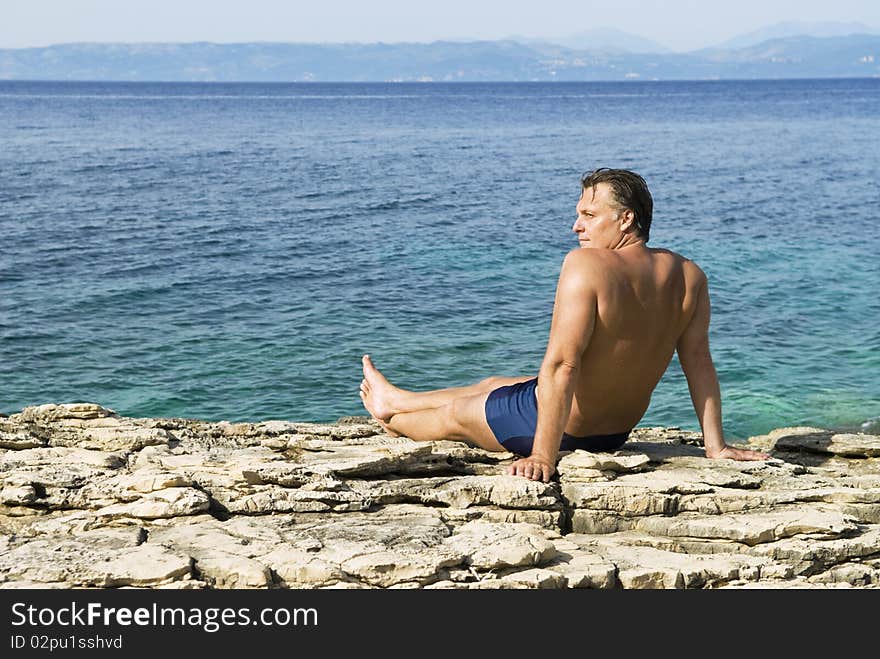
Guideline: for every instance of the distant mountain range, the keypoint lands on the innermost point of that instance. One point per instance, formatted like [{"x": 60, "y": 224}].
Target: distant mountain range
[
  {"x": 796, "y": 29},
  {"x": 606, "y": 39},
  {"x": 851, "y": 55}
]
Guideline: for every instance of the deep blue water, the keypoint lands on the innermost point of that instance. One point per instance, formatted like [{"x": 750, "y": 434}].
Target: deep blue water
[{"x": 228, "y": 251}]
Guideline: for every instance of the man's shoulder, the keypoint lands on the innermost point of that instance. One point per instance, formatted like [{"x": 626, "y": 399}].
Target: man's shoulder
[
  {"x": 581, "y": 255},
  {"x": 669, "y": 252},
  {"x": 687, "y": 263},
  {"x": 583, "y": 269},
  {"x": 585, "y": 261}
]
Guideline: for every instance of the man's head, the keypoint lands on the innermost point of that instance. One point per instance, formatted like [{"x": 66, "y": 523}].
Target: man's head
[{"x": 613, "y": 198}]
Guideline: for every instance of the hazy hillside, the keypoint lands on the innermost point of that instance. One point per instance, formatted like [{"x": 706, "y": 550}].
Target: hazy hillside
[
  {"x": 604, "y": 38},
  {"x": 796, "y": 29},
  {"x": 794, "y": 57}
]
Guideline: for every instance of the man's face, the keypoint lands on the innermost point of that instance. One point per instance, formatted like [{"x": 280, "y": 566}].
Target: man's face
[{"x": 598, "y": 218}]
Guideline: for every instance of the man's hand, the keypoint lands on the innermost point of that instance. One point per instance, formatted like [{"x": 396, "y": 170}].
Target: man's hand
[
  {"x": 731, "y": 453},
  {"x": 533, "y": 468}
]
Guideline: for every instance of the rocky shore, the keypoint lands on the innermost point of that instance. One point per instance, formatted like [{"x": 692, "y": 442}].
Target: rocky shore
[{"x": 89, "y": 499}]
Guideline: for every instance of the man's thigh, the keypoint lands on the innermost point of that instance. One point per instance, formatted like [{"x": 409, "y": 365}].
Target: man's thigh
[
  {"x": 496, "y": 381},
  {"x": 469, "y": 413}
]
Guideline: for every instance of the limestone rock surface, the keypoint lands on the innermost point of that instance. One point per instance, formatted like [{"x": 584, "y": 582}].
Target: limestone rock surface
[{"x": 91, "y": 499}]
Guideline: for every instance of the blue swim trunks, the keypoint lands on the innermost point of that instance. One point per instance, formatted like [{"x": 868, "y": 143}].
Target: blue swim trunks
[{"x": 512, "y": 413}]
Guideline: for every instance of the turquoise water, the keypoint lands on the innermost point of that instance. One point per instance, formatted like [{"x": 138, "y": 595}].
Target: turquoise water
[{"x": 228, "y": 251}]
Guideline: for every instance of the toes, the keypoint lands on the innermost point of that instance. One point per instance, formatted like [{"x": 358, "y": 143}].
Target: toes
[{"x": 369, "y": 367}]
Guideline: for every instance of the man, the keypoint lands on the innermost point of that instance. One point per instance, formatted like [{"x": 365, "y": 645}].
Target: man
[{"x": 622, "y": 309}]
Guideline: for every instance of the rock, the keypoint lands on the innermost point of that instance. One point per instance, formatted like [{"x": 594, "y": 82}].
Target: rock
[
  {"x": 752, "y": 529},
  {"x": 854, "y": 574},
  {"x": 65, "y": 457},
  {"x": 813, "y": 555},
  {"x": 149, "y": 480},
  {"x": 535, "y": 578},
  {"x": 16, "y": 439},
  {"x": 92, "y": 499},
  {"x": 570, "y": 464},
  {"x": 119, "y": 438},
  {"x": 301, "y": 569},
  {"x": 851, "y": 445},
  {"x": 57, "y": 478},
  {"x": 647, "y": 567},
  {"x": 52, "y": 412},
  {"x": 599, "y": 522},
  {"x": 312, "y": 550},
  {"x": 463, "y": 492},
  {"x": 365, "y": 462},
  {"x": 623, "y": 499},
  {"x": 105, "y": 558},
  {"x": 489, "y": 546},
  {"x": 145, "y": 565},
  {"x": 335, "y": 431},
  {"x": 20, "y": 495},
  {"x": 388, "y": 568},
  {"x": 170, "y": 502},
  {"x": 776, "y": 584},
  {"x": 551, "y": 520},
  {"x": 267, "y": 499},
  {"x": 219, "y": 570},
  {"x": 584, "y": 570}
]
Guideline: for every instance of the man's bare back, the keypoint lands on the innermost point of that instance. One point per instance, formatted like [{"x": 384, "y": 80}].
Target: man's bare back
[
  {"x": 622, "y": 310},
  {"x": 645, "y": 299}
]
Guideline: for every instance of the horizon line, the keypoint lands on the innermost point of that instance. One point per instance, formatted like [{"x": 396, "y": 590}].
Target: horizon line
[{"x": 628, "y": 81}]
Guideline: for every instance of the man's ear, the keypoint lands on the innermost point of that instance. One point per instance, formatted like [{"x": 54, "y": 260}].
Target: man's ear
[{"x": 627, "y": 220}]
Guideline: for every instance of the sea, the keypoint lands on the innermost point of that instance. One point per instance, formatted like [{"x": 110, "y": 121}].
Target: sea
[{"x": 229, "y": 251}]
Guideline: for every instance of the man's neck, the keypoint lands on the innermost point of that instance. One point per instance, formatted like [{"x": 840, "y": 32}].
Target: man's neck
[{"x": 628, "y": 241}]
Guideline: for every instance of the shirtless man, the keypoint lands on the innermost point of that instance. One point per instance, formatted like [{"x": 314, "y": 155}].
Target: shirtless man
[{"x": 622, "y": 309}]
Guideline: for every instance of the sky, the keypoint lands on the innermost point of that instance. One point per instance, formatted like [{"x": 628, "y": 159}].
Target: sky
[{"x": 677, "y": 24}]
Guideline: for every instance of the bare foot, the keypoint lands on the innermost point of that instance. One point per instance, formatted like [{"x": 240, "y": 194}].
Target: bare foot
[
  {"x": 377, "y": 393},
  {"x": 365, "y": 388}
]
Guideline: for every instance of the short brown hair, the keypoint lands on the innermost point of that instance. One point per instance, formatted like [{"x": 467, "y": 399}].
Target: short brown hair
[{"x": 630, "y": 192}]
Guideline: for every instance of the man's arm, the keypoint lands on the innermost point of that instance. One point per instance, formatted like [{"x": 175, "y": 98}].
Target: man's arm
[
  {"x": 696, "y": 362},
  {"x": 574, "y": 316}
]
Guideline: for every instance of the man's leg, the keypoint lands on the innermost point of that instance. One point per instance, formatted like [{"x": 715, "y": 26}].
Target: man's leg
[
  {"x": 384, "y": 400},
  {"x": 462, "y": 419}
]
